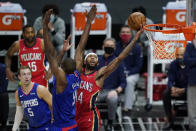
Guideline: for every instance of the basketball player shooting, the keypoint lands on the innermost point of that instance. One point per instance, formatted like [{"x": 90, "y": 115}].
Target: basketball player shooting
[
  {"x": 87, "y": 115},
  {"x": 65, "y": 84}
]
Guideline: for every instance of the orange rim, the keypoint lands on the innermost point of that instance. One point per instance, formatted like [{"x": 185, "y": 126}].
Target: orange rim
[
  {"x": 189, "y": 31},
  {"x": 178, "y": 28}
]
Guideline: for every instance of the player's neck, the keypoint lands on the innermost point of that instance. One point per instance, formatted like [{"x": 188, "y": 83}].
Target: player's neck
[
  {"x": 27, "y": 88},
  {"x": 29, "y": 44},
  {"x": 88, "y": 71}
]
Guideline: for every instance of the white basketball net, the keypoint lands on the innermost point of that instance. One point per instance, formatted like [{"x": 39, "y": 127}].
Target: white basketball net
[{"x": 165, "y": 45}]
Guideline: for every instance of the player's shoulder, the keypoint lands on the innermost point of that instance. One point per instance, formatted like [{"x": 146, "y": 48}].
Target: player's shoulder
[
  {"x": 41, "y": 88},
  {"x": 59, "y": 19},
  {"x": 16, "y": 43},
  {"x": 16, "y": 93},
  {"x": 38, "y": 19}
]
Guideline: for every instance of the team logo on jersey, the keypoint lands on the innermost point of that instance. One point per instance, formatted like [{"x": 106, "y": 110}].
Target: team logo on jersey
[
  {"x": 89, "y": 119},
  {"x": 30, "y": 103},
  {"x": 32, "y": 93},
  {"x": 23, "y": 49},
  {"x": 86, "y": 85},
  {"x": 36, "y": 48},
  {"x": 21, "y": 95}
]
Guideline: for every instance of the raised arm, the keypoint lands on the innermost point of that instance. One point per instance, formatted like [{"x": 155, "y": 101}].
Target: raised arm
[
  {"x": 105, "y": 71},
  {"x": 79, "y": 56},
  {"x": 52, "y": 56},
  {"x": 66, "y": 47},
  {"x": 8, "y": 60}
]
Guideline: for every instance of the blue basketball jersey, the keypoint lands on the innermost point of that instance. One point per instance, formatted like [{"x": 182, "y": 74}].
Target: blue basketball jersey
[
  {"x": 35, "y": 109},
  {"x": 64, "y": 103}
]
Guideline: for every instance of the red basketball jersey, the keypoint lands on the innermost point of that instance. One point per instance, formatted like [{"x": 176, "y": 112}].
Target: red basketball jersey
[
  {"x": 34, "y": 58},
  {"x": 86, "y": 94}
]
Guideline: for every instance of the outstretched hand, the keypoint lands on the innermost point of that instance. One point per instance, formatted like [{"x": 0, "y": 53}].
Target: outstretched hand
[
  {"x": 92, "y": 13},
  {"x": 66, "y": 45},
  {"x": 46, "y": 18},
  {"x": 140, "y": 31}
]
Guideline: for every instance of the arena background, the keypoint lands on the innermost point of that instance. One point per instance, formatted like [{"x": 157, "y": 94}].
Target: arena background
[{"x": 118, "y": 9}]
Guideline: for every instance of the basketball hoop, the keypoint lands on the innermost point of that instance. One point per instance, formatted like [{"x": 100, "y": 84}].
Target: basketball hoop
[{"x": 165, "y": 39}]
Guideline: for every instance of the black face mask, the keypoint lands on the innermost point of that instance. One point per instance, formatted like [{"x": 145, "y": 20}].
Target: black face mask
[
  {"x": 109, "y": 50},
  {"x": 180, "y": 61}
]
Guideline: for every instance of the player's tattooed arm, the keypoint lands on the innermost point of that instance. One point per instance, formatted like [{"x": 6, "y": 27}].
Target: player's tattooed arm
[
  {"x": 51, "y": 54},
  {"x": 79, "y": 56},
  {"x": 8, "y": 60},
  {"x": 105, "y": 71}
]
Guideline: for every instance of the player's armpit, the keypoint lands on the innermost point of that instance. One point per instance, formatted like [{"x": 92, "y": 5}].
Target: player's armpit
[{"x": 100, "y": 76}]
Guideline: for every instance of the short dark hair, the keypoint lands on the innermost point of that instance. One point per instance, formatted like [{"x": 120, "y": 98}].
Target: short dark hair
[
  {"x": 124, "y": 26},
  {"x": 68, "y": 65},
  {"x": 50, "y": 6},
  {"x": 23, "y": 67},
  {"x": 139, "y": 9},
  {"x": 26, "y": 26}
]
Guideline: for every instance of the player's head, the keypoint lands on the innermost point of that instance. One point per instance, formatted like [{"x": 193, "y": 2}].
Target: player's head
[
  {"x": 68, "y": 65},
  {"x": 28, "y": 33},
  {"x": 91, "y": 61},
  {"x": 125, "y": 34},
  {"x": 109, "y": 45},
  {"x": 180, "y": 52},
  {"x": 24, "y": 75}
]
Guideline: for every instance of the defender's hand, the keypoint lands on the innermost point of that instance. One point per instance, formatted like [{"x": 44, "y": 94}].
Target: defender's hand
[
  {"x": 139, "y": 32},
  {"x": 50, "y": 26},
  {"x": 66, "y": 45},
  {"x": 92, "y": 13},
  {"x": 46, "y": 18}
]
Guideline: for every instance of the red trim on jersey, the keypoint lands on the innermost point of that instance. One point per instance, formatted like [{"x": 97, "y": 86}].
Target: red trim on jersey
[
  {"x": 68, "y": 128},
  {"x": 29, "y": 91}
]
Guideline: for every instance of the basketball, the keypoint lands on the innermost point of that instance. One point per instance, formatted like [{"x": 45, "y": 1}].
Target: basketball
[{"x": 135, "y": 19}]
